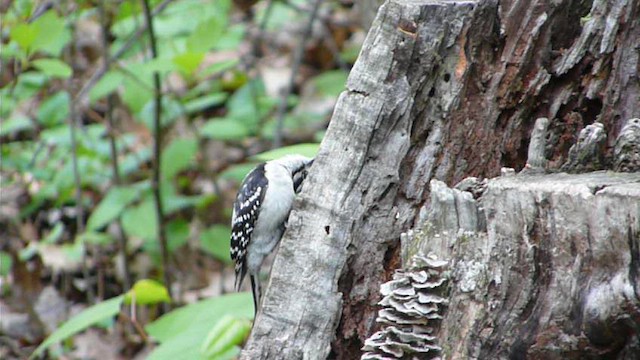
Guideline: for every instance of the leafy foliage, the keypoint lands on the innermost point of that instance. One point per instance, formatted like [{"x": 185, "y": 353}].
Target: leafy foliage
[
  {"x": 147, "y": 292},
  {"x": 217, "y": 111},
  {"x": 90, "y": 316},
  {"x": 204, "y": 328}
]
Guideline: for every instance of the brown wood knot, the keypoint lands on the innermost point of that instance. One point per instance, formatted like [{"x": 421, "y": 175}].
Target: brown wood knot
[{"x": 408, "y": 27}]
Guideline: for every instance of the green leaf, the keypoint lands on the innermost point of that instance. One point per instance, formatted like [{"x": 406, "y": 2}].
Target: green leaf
[
  {"x": 14, "y": 125},
  {"x": 309, "y": 150},
  {"x": 139, "y": 91},
  {"x": 220, "y": 67},
  {"x": 54, "y": 235},
  {"x": 215, "y": 241},
  {"x": 188, "y": 62},
  {"x": 178, "y": 156},
  {"x": 177, "y": 233},
  {"x": 231, "y": 39},
  {"x": 96, "y": 238},
  {"x": 52, "y": 34},
  {"x": 112, "y": 206},
  {"x": 53, "y": 68},
  {"x": 88, "y": 317},
  {"x": 6, "y": 262},
  {"x": 54, "y": 110},
  {"x": 206, "y": 34},
  {"x": 330, "y": 83},
  {"x": 205, "y": 102},
  {"x": 107, "y": 84},
  {"x": 141, "y": 221},
  {"x": 24, "y": 35},
  {"x": 224, "y": 129},
  {"x": 147, "y": 292},
  {"x": 195, "y": 321},
  {"x": 229, "y": 332},
  {"x": 237, "y": 172}
]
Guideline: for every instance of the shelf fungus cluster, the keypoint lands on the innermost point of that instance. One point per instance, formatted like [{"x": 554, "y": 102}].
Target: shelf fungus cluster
[{"x": 413, "y": 304}]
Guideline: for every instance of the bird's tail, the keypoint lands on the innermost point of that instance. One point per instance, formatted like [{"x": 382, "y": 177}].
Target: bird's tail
[
  {"x": 241, "y": 271},
  {"x": 255, "y": 288}
]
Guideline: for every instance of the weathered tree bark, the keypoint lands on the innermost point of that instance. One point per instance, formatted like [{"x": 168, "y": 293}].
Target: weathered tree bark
[
  {"x": 442, "y": 90},
  {"x": 554, "y": 273}
]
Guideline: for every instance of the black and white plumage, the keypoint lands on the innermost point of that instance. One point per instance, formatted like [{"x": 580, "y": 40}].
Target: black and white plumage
[{"x": 260, "y": 212}]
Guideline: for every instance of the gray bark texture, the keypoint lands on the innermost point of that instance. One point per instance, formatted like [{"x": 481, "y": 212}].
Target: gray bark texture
[
  {"x": 553, "y": 274},
  {"x": 445, "y": 90}
]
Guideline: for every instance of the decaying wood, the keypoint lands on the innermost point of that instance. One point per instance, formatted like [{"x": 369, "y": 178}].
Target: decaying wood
[
  {"x": 555, "y": 275},
  {"x": 441, "y": 90}
]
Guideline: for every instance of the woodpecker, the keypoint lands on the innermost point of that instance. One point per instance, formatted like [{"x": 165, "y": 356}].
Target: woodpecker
[{"x": 260, "y": 212}]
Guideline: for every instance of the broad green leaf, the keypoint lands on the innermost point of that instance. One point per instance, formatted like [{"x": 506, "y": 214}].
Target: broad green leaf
[
  {"x": 112, "y": 206},
  {"x": 205, "y": 102},
  {"x": 196, "y": 321},
  {"x": 106, "y": 85},
  {"x": 215, "y": 241},
  {"x": 52, "y": 34},
  {"x": 88, "y": 317},
  {"x": 206, "y": 34},
  {"x": 309, "y": 150},
  {"x": 188, "y": 62},
  {"x": 6, "y": 262},
  {"x": 224, "y": 129},
  {"x": 227, "y": 333},
  {"x": 330, "y": 83},
  {"x": 147, "y": 292},
  {"x": 178, "y": 156},
  {"x": 14, "y": 125},
  {"x": 139, "y": 91},
  {"x": 243, "y": 102},
  {"x": 231, "y": 38},
  {"x": 141, "y": 221},
  {"x": 55, "y": 110},
  {"x": 24, "y": 34},
  {"x": 53, "y": 68},
  {"x": 237, "y": 172}
]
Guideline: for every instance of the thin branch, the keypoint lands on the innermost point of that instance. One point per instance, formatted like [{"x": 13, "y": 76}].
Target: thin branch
[
  {"x": 73, "y": 123},
  {"x": 162, "y": 236},
  {"x": 297, "y": 60},
  {"x": 112, "y": 142},
  {"x": 99, "y": 73}
]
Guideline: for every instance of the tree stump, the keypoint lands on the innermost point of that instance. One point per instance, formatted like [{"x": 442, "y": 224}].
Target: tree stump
[{"x": 442, "y": 90}]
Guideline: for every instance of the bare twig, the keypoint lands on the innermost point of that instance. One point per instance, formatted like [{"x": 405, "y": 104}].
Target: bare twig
[
  {"x": 112, "y": 142},
  {"x": 297, "y": 60},
  {"x": 73, "y": 124},
  {"x": 97, "y": 75},
  {"x": 73, "y": 121},
  {"x": 162, "y": 236}
]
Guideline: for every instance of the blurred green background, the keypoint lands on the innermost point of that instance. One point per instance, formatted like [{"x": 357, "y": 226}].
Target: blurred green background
[{"x": 81, "y": 265}]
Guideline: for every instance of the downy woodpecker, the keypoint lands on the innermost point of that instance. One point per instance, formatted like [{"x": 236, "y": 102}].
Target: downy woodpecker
[{"x": 260, "y": 213}]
